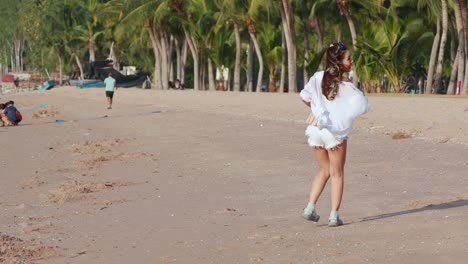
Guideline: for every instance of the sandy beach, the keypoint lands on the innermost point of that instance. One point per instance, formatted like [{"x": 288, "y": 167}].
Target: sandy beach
[{"x": 219, "y": 177}]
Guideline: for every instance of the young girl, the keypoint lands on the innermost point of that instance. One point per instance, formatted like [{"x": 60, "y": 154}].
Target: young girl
[{"x": 334, "y": 102}]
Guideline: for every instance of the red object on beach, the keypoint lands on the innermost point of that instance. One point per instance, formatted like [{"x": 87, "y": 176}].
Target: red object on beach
[{"x": 8, "y": 78}]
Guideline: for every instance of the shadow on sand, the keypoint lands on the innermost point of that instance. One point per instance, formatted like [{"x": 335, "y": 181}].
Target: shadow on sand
[{"x": 442, "y": 206}]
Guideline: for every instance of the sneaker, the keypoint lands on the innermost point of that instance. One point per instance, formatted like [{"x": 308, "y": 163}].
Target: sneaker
[
  {"x": 312, "y": 216},
  {"x": 333, "y": 222}
]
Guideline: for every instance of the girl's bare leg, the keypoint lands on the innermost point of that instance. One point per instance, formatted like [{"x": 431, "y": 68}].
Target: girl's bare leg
[
  {"x": 322, "y": 175},
  {"x": 337, "y": 159}
]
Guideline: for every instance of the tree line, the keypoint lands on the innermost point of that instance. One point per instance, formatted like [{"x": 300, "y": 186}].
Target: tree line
[{"x": 417, "y": 46}]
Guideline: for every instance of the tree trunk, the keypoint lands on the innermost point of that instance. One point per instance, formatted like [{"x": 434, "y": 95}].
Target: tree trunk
[
  {"x": 345, "y": 10},
  {"x": 438, "y": 86},
  {"x": 203, "y": 73},
  {"x": 272, "y": 80},
  {"x": 162, "y": 45},
  {"x": 211, "y": 79},
  {"x": 194, "y": 50},
  {"x": 453, "y": 44},
  {"x": 17, "y": 44},
  {"x": 319, "y": 31},
  {"x": 453, "y": 76},
  {"x": 21, "y": 61},
  {"x": 60, "y": 66},
  {"x": 435, "y": 46},
  {"x": 170, "y": 62},
  {"x": 12, "y": 58},
  {"x": 260, "y": 61},
  {"x": 92, "y": 51},
  {"x": 183, "y": 60},
  {"x": 283, "y": 63},
  {"x": 80, "y": 66},
  {"x": 237, "y": 66},
  {"x": 178, "y": 58},
  {"x": 464, "y": 13},
  {"x": 114, "y": 58},
  {"x": 289, "y": 33},
  {"x": 220, "y": 83},
  {"x": 157, "y": 56},
  {"x": 306, "y": 52},
  {"x": 461, "y": 45},
  {"x": 352, "y": 29},
  {"x": 249, "y": 70}
]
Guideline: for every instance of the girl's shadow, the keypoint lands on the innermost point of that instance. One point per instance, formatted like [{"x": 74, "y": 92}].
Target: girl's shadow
[{"x": 442, "y": 206}]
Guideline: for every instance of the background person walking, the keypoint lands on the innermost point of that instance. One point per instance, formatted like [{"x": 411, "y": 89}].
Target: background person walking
[
  {"x": 111, "y": 85},
  {"x": 334, "y": 103}
]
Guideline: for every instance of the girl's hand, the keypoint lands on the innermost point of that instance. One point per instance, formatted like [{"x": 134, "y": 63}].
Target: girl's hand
[{"x": 311, "y": 120}]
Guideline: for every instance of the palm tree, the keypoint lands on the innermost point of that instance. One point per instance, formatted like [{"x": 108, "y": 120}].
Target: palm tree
[
  {"x": 205, "y": 27},
  {"x": 344, "y": 7},
  {"x": 11, "y": 35},
  {"x": 287, "y": 15},
  {"x": 231, "y": 12},
  {"x": 443, "y": 40},
  {"x": 270, "y": 38},
  {"x": 255, "y": 9},
  {"x": 88, "y": 14},
  {"x": 458, "y": 67},
  {"x": 51, "y": 23},
  {"x": 387, "y": 46},
  {"x": 464, "y": 13},
  {"x": 151, "y": 14}
]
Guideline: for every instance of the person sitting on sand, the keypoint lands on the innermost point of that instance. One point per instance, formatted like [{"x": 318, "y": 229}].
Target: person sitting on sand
[
  {"x": 4, "y": 118},
  {"x": 13, "y": 115},
  {"x": 334, "y": 103}
]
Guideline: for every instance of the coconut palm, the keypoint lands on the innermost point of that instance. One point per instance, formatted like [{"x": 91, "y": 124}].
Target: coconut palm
[
  {"x": 152, "y": 14},
  {"x": 391, "y": 43},
  {"x": 231, "y": 13},
  {"x": 344, "y": 7},
  {"x": 256, "y": 9},
  {"x": 270, "y": 41},
  {"x": 458, "y": 66},
  {"x": 464, "y": 13},
  {"x": 88, "y": 14},
  {"x": 443, "y": 39},
  {"x": 52, "y": 23},
  {"x": 11, "y": 40},
  {"x": 287, "y": 15}
]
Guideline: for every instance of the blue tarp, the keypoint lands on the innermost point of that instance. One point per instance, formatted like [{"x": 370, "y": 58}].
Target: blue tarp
[{"x": 47, "y": 85}]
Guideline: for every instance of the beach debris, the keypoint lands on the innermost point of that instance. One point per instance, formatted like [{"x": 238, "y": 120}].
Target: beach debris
[
  {"x": 443, "y": 140},
  {"x": 73, "y": 190},
  {"x": 44, "y": 113},
  {"x": 400, "y": 135},
  {"x": 16, "y": 250}
]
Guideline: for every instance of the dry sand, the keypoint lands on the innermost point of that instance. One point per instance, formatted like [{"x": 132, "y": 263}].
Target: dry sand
[{"x": 214, "y": 177}]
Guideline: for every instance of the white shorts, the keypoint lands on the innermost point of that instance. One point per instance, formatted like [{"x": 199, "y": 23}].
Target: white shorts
[{"x": 321, "y": 138}]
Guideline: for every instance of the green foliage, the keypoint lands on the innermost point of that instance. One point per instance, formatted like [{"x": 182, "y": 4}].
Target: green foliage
[
  {"x": 394, "y": 37},
  {"x": 388, "y": 47}
]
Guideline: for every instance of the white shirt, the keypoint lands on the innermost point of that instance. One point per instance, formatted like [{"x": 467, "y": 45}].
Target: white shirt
[{"x": 336, "y": 115}]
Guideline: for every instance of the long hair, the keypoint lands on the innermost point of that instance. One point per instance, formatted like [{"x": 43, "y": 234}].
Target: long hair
[{"x": 332, "y": 76}]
